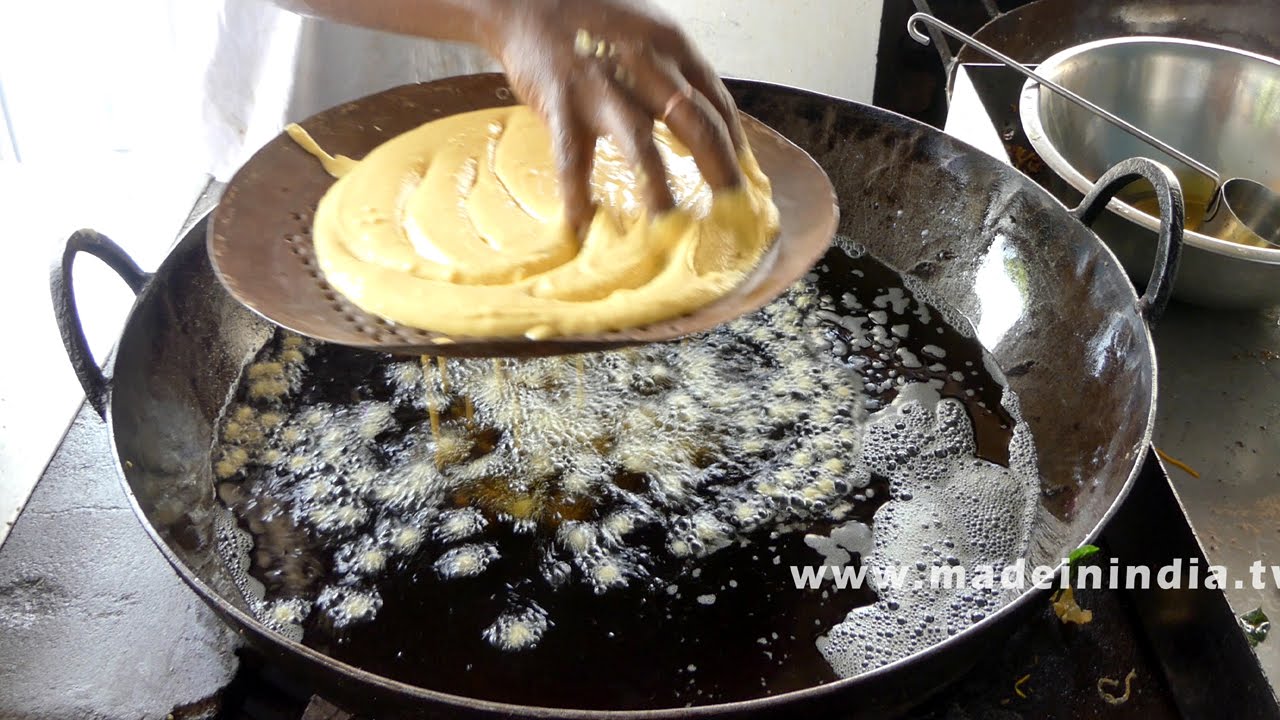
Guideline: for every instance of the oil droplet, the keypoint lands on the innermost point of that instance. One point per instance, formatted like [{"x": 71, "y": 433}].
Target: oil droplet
[
  {"x": 444, "y": 375},
  {"x": 579, "y": 364}
]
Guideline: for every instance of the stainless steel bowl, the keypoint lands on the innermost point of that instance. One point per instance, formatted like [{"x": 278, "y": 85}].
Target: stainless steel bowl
[{"x": 1219, "y": 105}]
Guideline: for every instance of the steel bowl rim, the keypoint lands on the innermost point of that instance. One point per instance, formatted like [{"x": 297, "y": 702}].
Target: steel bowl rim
[{"x": 1029, "y": 111}]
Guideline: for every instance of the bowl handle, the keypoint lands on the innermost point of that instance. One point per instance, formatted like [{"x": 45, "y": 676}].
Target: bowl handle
[
  {"x": 91, "y": 377},
  {"x": 1172, "y": 213}
]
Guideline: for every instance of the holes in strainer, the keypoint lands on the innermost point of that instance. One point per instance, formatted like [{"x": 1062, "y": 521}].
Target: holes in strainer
[
  {"x": 331, "y": 296},
  {"x": 374, "y": 335},
  {"x": 349, "y": 318}
]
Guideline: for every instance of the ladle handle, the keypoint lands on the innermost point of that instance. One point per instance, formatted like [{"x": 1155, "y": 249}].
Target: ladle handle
[
  {"x": 1137, "y": 132},
  {"x": 1159, "y": 289},
  {"x": 62, "y": 286}
]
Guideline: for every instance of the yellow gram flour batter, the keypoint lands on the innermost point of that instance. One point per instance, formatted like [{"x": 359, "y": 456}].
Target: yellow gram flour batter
[{"x": 458, "y": 227}]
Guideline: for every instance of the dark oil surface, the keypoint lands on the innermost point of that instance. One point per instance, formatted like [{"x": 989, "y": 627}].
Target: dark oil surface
[{"x": 648, "y": 645}]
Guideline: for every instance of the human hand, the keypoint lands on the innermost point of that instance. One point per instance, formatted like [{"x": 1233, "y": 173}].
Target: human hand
[{"x": 611, "y": 67}]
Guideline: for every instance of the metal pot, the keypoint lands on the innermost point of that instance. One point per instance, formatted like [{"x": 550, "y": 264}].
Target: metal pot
[
  {"x": 1043, "y": 294},
  {"x": 1219, "y": 105},
  {"x": 1034, "y": 32}
]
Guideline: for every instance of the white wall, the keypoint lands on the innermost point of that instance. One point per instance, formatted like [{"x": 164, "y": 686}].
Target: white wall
[
  {"x": 823, "y": 45},
  {"x": 157, "y": 81}
]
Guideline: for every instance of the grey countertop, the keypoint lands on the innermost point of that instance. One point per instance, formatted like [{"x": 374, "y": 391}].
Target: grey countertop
[
  {"x": 1218, "y": 412},
  {"x": 101, "y": 627}
]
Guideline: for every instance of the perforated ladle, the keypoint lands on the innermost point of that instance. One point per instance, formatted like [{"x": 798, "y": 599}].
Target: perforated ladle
[
  {"x": 1240, "y": 210},
  {"x": 260, "y": 238}
]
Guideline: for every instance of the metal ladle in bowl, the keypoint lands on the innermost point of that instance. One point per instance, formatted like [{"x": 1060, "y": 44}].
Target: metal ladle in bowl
[{"x": 1240, "y": 210}]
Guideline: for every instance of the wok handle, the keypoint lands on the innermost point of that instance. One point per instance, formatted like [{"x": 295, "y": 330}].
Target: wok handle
[
  {"x": 1172, "y": 213},
  {"x": 62, "y": 286}
]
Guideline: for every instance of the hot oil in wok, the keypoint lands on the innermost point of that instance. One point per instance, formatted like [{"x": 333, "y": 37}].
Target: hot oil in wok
[{"x": 614, "y": 531}]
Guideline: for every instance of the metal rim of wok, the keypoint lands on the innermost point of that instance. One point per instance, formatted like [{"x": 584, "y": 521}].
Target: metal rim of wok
[
  {"x": 835, "y": 126},
  {"x": 1033, "y": 125}
]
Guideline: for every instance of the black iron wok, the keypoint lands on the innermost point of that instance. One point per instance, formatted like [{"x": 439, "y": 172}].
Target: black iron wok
[{"x": 1078, "y": 353}]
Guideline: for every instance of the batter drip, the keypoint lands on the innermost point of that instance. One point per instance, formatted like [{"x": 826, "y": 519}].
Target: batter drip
[{"x": 457, "y": 227}]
